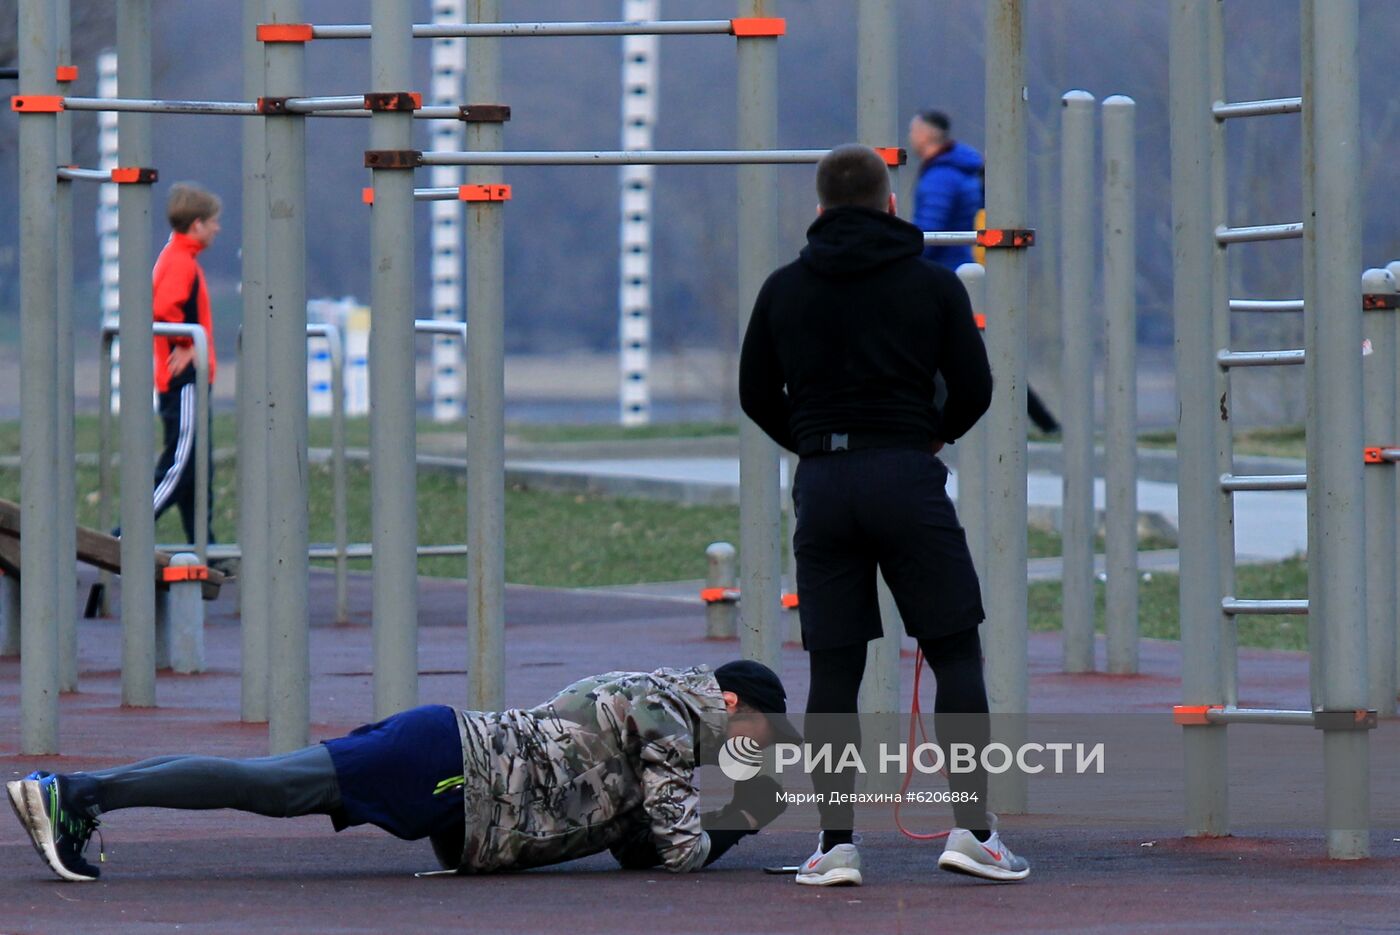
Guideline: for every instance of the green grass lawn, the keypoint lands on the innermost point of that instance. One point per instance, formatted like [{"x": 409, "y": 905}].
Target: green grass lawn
[
  {"x": 1157, "y": 605},
  {"x": 1282, "y": 442}
]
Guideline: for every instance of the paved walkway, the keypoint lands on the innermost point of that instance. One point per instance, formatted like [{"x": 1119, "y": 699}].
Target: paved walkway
[{"x": 1109, "y": 860}]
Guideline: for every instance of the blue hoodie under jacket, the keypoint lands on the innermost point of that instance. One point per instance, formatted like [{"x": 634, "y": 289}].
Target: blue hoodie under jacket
[{"x": 948, "y": 197}]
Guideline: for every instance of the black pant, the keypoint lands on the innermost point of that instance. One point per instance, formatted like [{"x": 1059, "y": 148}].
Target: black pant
[
  {"x": 960, "y": 716},
  {"x": 175, "y": 481}
]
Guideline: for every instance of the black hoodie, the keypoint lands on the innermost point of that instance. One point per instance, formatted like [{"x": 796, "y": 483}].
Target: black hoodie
[{"x": 848, "y": 339}]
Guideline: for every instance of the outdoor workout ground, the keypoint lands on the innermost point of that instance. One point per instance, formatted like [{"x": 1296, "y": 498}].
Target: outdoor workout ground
[{"x": 224, "y": 871}]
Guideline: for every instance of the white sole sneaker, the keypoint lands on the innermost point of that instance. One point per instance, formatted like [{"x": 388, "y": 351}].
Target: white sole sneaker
[
  {"x": 961, "y": 863},
  {"x": 836, "y": 876},
  {"x": 27, "y": 799}
]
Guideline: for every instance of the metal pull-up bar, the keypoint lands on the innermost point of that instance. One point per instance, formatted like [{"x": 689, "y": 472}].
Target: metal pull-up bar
[
  {"x": 683, "y": 157},
  {"x": 752, "y": 26},
  {"x": 338, "y": 106}
]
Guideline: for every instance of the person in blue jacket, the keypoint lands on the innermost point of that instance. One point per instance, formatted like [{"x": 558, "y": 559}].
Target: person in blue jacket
[
  {"x": 950, "y": 189},
  {"x": 948, "y": 197}
]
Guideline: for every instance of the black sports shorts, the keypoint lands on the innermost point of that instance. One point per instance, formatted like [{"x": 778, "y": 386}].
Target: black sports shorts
[{"x": 884, "y": 508}]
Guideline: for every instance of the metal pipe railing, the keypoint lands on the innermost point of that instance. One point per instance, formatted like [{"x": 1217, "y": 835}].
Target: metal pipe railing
[
  {"x": 1259, "y": 233},
  {"x": 950, "y": 238},
  {"x": 1282, "y": 105},
  {"x": 195, "y": 333},
  {"x": 708, "y": 27},
  {"x": 1266, "y": 305},
  {"x": 75, "y": 174},
  {"x": 1234, "y": 606},
  {"x": 1285, "y": 358},
  {"x": 334, "y": 106},
  {"x": 679, "y": 157},
  {"x": 1240, "y": 482}
]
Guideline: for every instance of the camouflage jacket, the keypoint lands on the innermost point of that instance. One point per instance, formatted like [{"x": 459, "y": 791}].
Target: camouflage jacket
[{"x": 607, "y": 764}]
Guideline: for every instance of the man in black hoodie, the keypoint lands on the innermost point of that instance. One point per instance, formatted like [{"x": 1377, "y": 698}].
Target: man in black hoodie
[{"x": 838, "y": 366}]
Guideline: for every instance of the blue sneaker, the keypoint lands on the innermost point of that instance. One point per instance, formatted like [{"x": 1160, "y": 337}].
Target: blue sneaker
[{"x": 59, "y": 822}]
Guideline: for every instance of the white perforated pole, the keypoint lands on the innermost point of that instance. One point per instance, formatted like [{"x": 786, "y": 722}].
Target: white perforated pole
[
  {"x": 449, "y": 64},
  {"x": 639, "y": 70}
]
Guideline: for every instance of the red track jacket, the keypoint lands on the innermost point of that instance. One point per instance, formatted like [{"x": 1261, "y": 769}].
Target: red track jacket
[{"x": 179, "y": 295}]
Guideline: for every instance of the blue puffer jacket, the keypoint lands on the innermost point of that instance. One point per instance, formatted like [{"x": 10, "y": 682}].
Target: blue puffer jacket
[{"x": 948, "y": 197}]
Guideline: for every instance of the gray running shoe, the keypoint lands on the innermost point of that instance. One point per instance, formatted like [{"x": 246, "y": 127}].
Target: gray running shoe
[
  {"x": 991, "y": 860},
  {"x": 839, "y": 866}
]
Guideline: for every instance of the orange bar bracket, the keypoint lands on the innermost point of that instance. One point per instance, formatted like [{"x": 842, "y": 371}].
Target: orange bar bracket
[
  {"x": 284, "y": 32},
  {"x": 1371, "y": 456},
  {"x": 719, "y": 595},
  {"x": 1006, "y": 238},
  {"x": 367, "y": 195},
  {"x": 37, "y": 103},
  {"x": 980, "y": 320},
  {"x": 173, "y": 573},
  {"x": 1380, "y": 301},
  {"x": 483, "y": 193},
  {"x": 66, "y": 73},
  {"x": 135, "y": 175},
  {"x": 893, "y": 155},
  {"x": 749, "y": 27},
  {"x": 1194, "y": 715},
  {"x": 790, "y": 601}
]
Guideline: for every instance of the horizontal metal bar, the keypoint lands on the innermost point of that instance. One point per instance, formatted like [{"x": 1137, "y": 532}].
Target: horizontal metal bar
[
  {"x": 1259, "y": 232},
  {"x": 1228, "y": 359},
  {"x": 1231, "y": 715},
  {"x": 306, "y": 105},
  {"x": 683, "y": 157},
  {"x": 9, "y": 74},
  {"x": 1233, "y": 482},
  {"x": 950, "y": 238},
  {"x": 702, "y": 27},
  {"x": 352, "y": 550},
  {"x": 139, "y": 106},
  {"x": 1278, "y": 105},
  {"x": 432, "y": 326},
  {"x": 1234, "y": 606},
  {"x": 73, "y": 174},
  {"x": 437, "y": 112},
  {"x": 1266, "y": 305}
]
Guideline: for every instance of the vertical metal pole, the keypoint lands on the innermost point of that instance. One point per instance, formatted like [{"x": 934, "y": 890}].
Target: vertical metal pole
[
  {"x": 110, "y": 278},
  {"x": 203, "y": 449},
  {"x": 1077, "y": 375},
  {"x": 392, "y": 415},
  {"x": 1006, "y": 644},
  {"x": 1394, "y": 269},
  {"x": 342, "y": 535},
  {"x": 1379, "y": 384},
  {"x": 1311, "y": 323},
  {"x": 254, "y": 567},
  {"x": 972, "y": 448},
  {"x": 877, "y": 124},
  {"x": 39, "y": 667},
  {"x": 639, "y": 72},
  {"x": 1198, "y": 480},
  {"x": 66, "y": 531},
  {"x": 1339, "y": 597},
  {"x": 1220, "y": 329},
  {"x": 137, "y": 372},
  {"x": 1120, "y": 383},
  {"x": 289, "y": 688},
  {"x": 449, "y": 63},
  {"x": 760, "y": 553},
  {"x": 486, "y": 515}
]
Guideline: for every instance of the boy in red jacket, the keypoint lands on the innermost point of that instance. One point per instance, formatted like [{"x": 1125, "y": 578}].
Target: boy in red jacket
[{"x": 181, "y": 294}]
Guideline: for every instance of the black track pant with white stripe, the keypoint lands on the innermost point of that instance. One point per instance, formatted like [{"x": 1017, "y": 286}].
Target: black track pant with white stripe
[{"x": 175, "y": 470}]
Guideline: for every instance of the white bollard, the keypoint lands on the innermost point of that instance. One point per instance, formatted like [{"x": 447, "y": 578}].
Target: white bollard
[
  {"x": 721, "y": 594},
  {"x": 9, "y": 615},
  {"x": 184, "y": 612}
]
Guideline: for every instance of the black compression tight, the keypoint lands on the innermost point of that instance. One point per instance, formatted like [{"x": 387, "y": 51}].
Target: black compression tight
[
  {"x": 298, "y": 783},
  {"x": 956, "y": 662}
]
